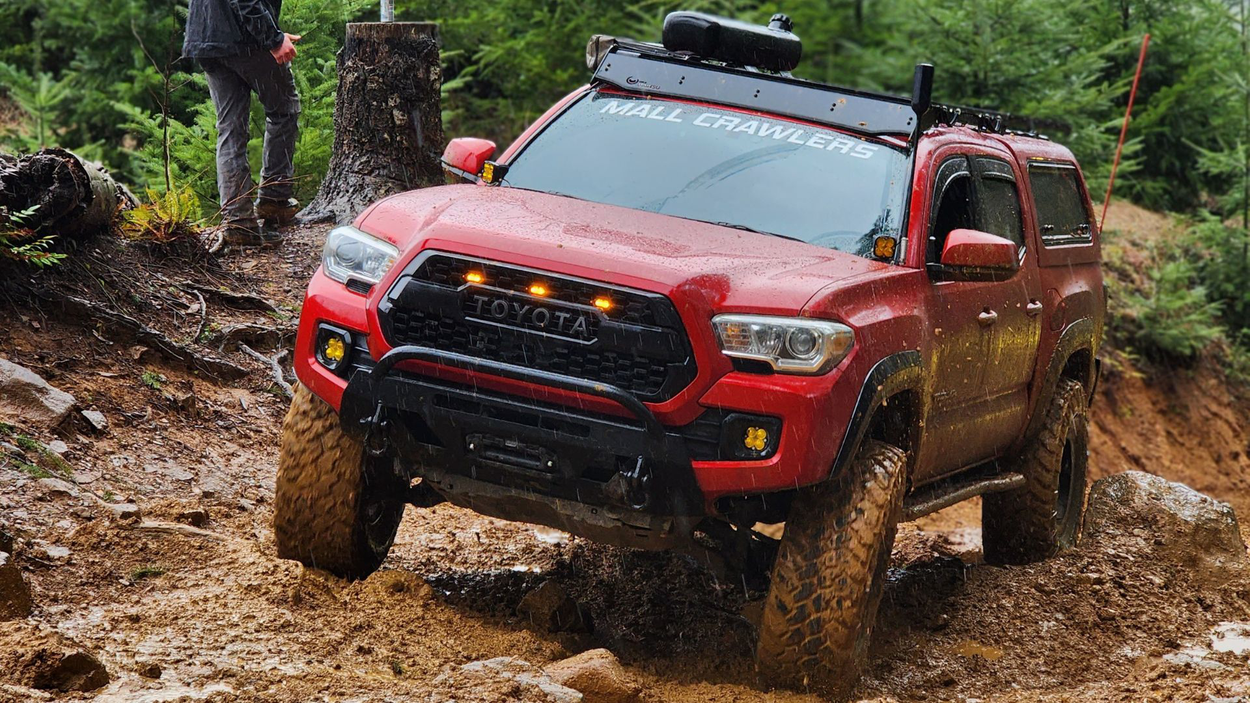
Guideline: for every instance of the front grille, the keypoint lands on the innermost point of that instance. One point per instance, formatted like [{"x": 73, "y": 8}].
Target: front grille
[{"x": 638, "y": 345}]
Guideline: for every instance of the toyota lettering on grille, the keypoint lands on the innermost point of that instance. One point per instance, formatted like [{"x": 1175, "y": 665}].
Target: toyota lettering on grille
[{"x": 527, "y": 315}]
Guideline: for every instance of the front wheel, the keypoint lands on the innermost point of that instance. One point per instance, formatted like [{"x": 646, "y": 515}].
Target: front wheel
[
  {"x": 335, "y": 507},
  {"x": 1043, "y": 517},
  {"x": 829, "y": 574}
]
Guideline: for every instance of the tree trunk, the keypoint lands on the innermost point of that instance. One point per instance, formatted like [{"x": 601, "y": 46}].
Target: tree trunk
[
  {"x": 388, "y": 128},
  {"x": 56, "y": 192}
]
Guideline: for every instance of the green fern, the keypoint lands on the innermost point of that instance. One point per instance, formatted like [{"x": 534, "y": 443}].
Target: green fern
[
  {"x": 167, "y": 217},
  {"x": 19, "y": 242}
]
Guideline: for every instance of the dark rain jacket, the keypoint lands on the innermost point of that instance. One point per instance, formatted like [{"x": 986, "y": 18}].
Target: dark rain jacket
[{"x": 217, "y": 28}]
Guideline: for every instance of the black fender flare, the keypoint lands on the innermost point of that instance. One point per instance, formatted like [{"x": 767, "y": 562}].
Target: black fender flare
[
  {"x": 891, "y": 375},
  {"x": 1078, "y": 336}
]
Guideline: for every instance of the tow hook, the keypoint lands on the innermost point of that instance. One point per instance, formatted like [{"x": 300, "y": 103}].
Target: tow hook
[
  {"x": 631, "y": 486},
  {"x": 376, "y": 443}
]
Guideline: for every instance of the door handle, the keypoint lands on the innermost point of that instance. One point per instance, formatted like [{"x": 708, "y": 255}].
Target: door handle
[
  {"x": 987, "y": 317},
  {"x": 1034, "y": 308}
]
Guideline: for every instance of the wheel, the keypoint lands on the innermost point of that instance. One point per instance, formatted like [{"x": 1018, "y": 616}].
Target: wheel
[
  {"x": 335, "y": 508},
  {"x": 830, "y": 569},
  {"x": 1043, "y": 517}
]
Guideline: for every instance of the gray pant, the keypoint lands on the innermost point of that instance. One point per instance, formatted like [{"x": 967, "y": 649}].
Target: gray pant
[{"x": 231, "y": 82}]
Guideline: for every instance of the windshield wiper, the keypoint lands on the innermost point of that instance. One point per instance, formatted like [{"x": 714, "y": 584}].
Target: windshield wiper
[{"x": 744, "y": 228}]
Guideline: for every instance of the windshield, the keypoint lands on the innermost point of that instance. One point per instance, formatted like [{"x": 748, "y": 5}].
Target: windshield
[{"x": 720, "y": 165}]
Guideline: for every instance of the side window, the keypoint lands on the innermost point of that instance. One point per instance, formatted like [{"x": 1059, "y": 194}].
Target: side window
[
  {"x": 998, "y": 207},
  {"x": 1060, "y": 205},
  {"x": 952, "y": 203}
]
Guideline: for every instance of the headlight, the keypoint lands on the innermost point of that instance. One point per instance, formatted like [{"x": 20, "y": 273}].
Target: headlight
[
  {"x": 788, "y": 344},
  {"x": 350, "y": 253}
]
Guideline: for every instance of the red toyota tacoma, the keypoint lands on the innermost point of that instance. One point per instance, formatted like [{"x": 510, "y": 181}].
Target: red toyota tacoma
[{"x": 699, "y": 296}]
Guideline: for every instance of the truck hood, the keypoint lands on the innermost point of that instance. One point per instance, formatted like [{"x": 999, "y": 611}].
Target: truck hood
[{"x": 732, "y": 269}]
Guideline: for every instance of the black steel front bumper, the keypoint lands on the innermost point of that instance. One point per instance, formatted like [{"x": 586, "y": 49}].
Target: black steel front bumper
[{"x": 620, "y": 480}]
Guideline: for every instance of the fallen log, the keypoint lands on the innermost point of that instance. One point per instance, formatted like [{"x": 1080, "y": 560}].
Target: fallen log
[{"x": 55, "y": 192}]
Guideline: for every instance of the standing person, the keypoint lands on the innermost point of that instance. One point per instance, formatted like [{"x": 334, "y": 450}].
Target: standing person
[{"x": 242, "y": 51}]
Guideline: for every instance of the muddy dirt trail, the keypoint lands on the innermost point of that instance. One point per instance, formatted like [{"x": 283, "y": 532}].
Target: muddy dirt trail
[{"x": 184, "y": 600}]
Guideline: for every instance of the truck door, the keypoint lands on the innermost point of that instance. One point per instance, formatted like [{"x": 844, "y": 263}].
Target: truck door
[
  {"x": 1012, "y": 307},
  {"x": 960, "y": 340}
]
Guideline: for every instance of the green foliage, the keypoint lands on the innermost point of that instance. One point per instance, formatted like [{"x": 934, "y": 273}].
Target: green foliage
[
  {"x": 32, "y": 457},
  {"x": 106, "y": 74},
  {"x": 1174, "y": 318},
  {"x": 152, "y": 380},
  {"x": 1193, "y": 296},
  {"x": 146, "y": 572},
  {"x": 166, "y": 218},
  {"x": 1221, "y": 255},
  {"x": 39, "y": 98},
  {"x": 19, "y": 243}
]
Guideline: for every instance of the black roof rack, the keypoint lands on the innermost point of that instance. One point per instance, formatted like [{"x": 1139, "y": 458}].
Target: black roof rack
[{"x": 653, "y": 70}]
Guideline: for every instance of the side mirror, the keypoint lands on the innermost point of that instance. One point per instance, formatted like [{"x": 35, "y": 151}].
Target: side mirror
[
  {"x": 464, "y": 157},
  {"x": 970, "y": 255}
]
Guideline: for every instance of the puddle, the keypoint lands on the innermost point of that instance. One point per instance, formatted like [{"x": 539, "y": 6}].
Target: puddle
[
  {"x": 1231, "y": 637},
  {"x": 972, "y": 648}
]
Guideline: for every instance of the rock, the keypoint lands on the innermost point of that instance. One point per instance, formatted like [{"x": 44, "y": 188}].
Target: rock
[
  {"x": 1170, "y": 520},
  {"x": 501, "y": 678},
  {"x": 123, "y": 511},
  {"x": 597, "y": 675},
  {"x": 58, "y": 447},
  {"x": 194, "y": 517},
  {"x": 96, "y": 420},
  {"x": 55, "y": 489},
  {"x": 150, "y": 670},
  {"x": 15, "y": 599},
  {"x": 27, "y": 399},
  {"x": 42, "y": 659},
  {"x": 50, "y": 552},
  {"x": 550, "y": 608}
]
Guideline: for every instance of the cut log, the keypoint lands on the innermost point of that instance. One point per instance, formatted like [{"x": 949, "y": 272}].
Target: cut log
[
  {"x": 57, "y": 193},
  {"x": 388, "y": 128}
]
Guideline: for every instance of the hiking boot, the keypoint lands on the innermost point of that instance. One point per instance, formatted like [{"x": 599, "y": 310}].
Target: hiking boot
[
  {"x": 246, "y": 234},
  {"x": 276, "y": 212}
]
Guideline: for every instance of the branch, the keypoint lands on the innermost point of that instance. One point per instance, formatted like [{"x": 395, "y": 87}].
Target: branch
[
  {"x": 278, "y": 377},
  {"x": 199, "y": 331}
]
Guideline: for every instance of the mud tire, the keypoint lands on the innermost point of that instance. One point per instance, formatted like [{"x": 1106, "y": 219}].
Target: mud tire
[
  {"x": 333, "y": 509},
  {"x": 1043, "y": 517},
  {"x": 827, "y": 581}
]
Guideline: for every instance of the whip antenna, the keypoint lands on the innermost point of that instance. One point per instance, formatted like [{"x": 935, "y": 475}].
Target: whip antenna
[{"x": 1141, "y": 59}]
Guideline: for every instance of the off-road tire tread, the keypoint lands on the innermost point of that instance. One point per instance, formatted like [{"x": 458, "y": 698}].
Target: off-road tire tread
[
  {"x": 828, "y": 577},
  {"x": 1019, "y": 526},
  {"x": 317, "y": 516}
]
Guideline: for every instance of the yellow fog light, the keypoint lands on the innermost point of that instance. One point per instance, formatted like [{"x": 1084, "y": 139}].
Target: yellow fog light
[
  {"x": 604, "y": 304},
  {"x": 334, "y": 349},
  {"x": 756, "y": 439}
]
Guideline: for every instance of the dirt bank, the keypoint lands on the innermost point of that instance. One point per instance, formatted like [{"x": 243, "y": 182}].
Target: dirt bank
[{"x": 223, "y": 620}]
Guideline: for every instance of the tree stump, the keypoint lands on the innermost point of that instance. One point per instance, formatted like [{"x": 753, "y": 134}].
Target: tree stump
[{"x": 388, "y": 128}]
